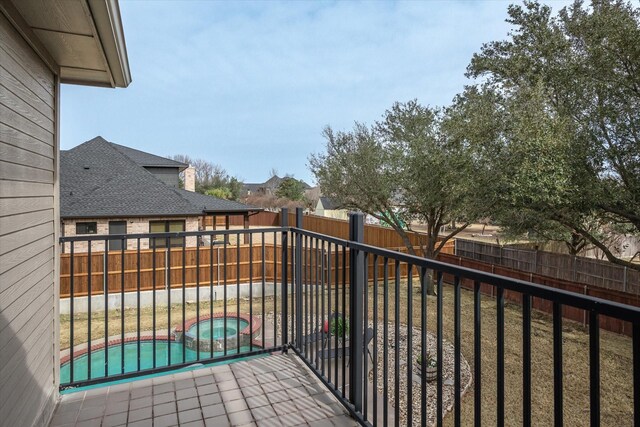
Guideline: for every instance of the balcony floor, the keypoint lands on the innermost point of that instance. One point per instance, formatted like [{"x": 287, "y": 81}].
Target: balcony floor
[{"x": 276, "y": 390}]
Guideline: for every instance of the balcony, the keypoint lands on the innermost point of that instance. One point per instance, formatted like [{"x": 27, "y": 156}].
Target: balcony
[{"x": 340, "y": 331}]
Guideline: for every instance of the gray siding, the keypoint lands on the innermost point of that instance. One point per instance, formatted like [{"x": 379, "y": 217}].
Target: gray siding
[
  {"x": 27, "y": 237},
  {"x": 167, "y": 175}
]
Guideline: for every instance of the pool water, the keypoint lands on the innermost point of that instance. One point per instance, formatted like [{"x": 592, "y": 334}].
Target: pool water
[
  {"x": 219, "y": 326},
  {"x": 80, "y": 365}
]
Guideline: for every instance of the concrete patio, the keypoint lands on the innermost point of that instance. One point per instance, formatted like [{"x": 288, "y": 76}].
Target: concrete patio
[{"x": 275, "y": 390}]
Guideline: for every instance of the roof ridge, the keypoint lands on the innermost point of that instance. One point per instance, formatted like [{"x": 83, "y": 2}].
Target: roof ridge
[{"x": 124, "y": 148}]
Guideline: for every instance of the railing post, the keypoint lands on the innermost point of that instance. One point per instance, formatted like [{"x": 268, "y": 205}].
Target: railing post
[
  {"x": 356, "y": 327},
  {"x": 298, "y": 279},
  {"x": 284, "y": 222}
]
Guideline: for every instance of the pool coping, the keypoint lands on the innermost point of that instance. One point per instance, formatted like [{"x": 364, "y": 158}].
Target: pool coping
[{"x": 253, "y": 326}]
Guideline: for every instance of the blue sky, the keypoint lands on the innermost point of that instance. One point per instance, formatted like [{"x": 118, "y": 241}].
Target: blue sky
[{"x": 251, "y": 85}]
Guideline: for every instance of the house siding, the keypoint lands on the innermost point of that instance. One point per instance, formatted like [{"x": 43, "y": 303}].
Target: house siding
[
  {"x": 28, "y": 159},
  {"x": 134, "y": 226}
]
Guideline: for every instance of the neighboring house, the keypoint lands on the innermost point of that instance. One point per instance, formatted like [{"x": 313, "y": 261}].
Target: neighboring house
[
  {"x": 267, "y": 188},
  {"x": 42, "y": 44},
  {"x": 107, "y": 188},
  {"x": 329, "y": 208}
]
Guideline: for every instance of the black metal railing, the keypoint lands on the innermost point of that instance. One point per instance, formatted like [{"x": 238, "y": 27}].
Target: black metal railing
[
  {"x": 373, "y": 324},
  {"x": 155, "y": 305},
  {"x": 371, "y": 365}
]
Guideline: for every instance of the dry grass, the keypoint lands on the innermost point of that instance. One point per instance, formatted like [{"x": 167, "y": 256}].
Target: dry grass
[
  {"x": 615, "y": 361},
  {"x": 81, "y": 321},
  {"x": 616, "y": 355}
]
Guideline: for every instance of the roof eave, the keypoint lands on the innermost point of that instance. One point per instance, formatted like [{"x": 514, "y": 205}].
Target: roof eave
[{"x": 108, "y": 23}]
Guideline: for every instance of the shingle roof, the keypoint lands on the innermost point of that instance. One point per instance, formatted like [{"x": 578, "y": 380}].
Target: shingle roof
[
  {"x": 99, "y": 180},
  {"x": 147, "y": 159},
  {"x": 328, "y": 203},
  {"x": 273, "y": 182}
]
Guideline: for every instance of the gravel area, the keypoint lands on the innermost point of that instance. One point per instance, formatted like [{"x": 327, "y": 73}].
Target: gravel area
[
  {"x": 447, "y": 366},
  {"x": 448, "y": 354}
]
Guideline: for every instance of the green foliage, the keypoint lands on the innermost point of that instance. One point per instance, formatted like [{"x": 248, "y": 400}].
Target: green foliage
[
  {"x": 290, "y": 188},
  {"x": 556, "y": 123},
  {"x": 339, "y": 327},
  {"x": 404, "y": 168},
  {"x": 211, "y": 179},
  {"x": 219, "y": 192}
]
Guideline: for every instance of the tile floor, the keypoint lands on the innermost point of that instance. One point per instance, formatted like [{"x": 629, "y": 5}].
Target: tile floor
[{"x": 276, "y": 390}]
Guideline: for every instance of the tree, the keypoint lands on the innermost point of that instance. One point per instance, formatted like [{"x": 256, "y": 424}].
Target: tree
[
  {"x": 290, "y": 188},
  {"x": 404, "y": 168},
  {"x": 210, "y": 176},
  {"x": 557, "y": 121}
]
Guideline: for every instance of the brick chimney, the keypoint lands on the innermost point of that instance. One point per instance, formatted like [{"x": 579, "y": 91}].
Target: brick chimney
[{"x": 190, "y": 179}]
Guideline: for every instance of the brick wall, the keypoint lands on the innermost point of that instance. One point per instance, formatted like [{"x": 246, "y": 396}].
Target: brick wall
[{"x": 134, "y": 226}]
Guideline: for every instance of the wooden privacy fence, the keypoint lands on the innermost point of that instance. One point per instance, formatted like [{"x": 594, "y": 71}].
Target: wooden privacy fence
[
  {"x": 572, "y": 313},
  {"x": 213, "y": 267},
  {"x": 374, "y": 235},
  {"x": 578, "y": 269},
  {"x": 242, "y": 263}
]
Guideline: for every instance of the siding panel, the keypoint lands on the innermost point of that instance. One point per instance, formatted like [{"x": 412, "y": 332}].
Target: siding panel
[
  {"x": 18, "y": 48},
  {"x": 14, "y": 102},
  {"x": 31, "y": 98},
  {"x": 21, "y": 156},
  {"x": 22, "y": 205},
  {"x": 27, "y": 230},
  {"x": 11, "y": 136}
]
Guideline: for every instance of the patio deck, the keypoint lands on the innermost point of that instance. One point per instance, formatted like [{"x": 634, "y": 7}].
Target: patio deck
[{"x": 276, "y": 390}]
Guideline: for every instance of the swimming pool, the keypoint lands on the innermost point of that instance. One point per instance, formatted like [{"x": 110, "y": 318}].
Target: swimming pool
[
  {"x": 214, "y": 336},
  {"x": 240, "y": 329},
  {"x": 114, "y": 359}
]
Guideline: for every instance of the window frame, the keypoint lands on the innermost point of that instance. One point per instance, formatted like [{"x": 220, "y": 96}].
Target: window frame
[
  {"x": 174, "y": 242},
  {"x": 87, "y": 224},
  {"x": 116, "y": 244}
]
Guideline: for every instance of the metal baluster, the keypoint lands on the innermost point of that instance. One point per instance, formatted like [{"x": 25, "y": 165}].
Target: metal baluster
[
  {"x": 138, "y": 303},
  {"x": 594, "y": 367},
  {"x": 72, "y": 312},
  {"x": 457, "y": 350},
  {"x": 184, "y": 299},
  {"x": 500, "y": 336},
  {"x": 526, "y": 359},
  {"x": 385, "y": 341},
  {"x": 237, "y": 294},
  {"x": 224, "y": 305},
  {"x": 122, "y": 306},
  {"x": 211, "y": 296},
  {"x": 89, "y": 312},
  {"x": 477, "y": 355},
  {"x": 423, "y": 346},
  {"x": 396, "y": 343},
  {"x": 153, "y": 303},
  {"x": 264, "y": 274},
  {"x": 557, "y": 365},
  {"x": 439, "y": 338},
  {"x": 250, "y": 292}
]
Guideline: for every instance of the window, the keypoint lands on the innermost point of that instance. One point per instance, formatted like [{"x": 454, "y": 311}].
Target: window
[
  {"x": 117, "y": 227},
  {"x": 86, "y": 227},
  {"x": 166, "y": 227}
]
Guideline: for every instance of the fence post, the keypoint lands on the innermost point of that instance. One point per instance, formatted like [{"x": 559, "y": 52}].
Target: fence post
[
  {"x": 356, "y": 303},
  {"x": 298, "y": 279},
  {"x": 624, "y": 280},
  {"x": 284, "y": 222}
]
